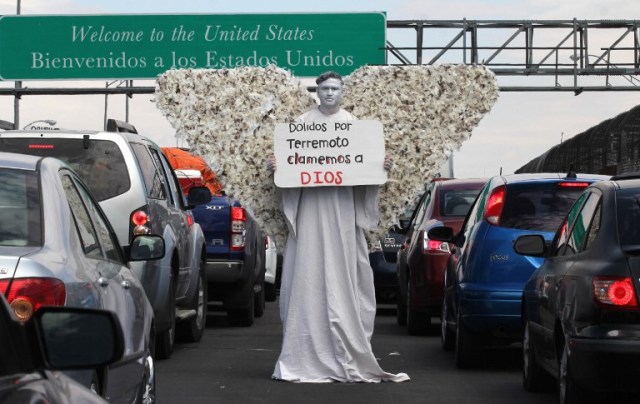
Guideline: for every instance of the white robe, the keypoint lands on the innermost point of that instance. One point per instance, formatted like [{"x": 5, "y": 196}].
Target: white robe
[{"x": 327, "y": 297}]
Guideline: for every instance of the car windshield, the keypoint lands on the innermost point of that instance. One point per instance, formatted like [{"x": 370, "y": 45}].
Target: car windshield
[
  {"x": 99, "y": 163},
  {"x": 20, "y": 217},
  {"x": 628, "y": 205},
  {"x": 457, "y": 202},
  {"x": 539, "y": 207}
]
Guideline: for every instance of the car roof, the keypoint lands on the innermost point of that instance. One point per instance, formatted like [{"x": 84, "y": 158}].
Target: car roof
[
  {"x": 19, "y": 161},
  {"x": 631, "y": 183},
  {"x": 535, "y": 177},
  {"x": 462, "y": 183},
  {"x": 73, "y": 132}
]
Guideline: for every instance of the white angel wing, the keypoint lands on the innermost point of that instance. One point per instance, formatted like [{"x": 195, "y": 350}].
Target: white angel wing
[
  {"x": 228, "y": 118},
  {"x": 427, "y": 112}
]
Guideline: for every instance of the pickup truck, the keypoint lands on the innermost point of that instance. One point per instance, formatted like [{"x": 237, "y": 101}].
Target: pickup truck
[{"x": 235, "y": 244}]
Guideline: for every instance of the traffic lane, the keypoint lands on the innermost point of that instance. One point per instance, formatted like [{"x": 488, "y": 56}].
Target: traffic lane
[{"x": 234, "y": 365}]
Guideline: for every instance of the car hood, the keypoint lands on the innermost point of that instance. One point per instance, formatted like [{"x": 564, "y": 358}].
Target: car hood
[{"x": 9, "y": 258}]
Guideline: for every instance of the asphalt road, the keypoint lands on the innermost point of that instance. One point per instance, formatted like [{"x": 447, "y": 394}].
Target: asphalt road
[{"x": 234, "y": 365}]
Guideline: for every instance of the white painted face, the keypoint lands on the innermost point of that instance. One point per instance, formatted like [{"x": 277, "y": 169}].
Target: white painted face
[{"x": 330, "y": 93}]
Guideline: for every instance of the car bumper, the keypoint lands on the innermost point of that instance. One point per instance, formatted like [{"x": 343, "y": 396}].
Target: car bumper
[
  {"x": 606, "y": 364},
  {"x": 385, "y": 278},
  {"x": 223, "y": 271},
  {"x": 496, "y": 313}
]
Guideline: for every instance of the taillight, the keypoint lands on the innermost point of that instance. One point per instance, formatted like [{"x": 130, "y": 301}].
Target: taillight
[
  {"x": 26, "y": 295},
  {"x": 429, "y": 245},
  {"x": 614, "y": 291},
  {"x": 493, "y": 209},
  {"x": 139, "y": 221},
  {"x": 190, "y": 220},
  {"x": 238, "y": 221}
]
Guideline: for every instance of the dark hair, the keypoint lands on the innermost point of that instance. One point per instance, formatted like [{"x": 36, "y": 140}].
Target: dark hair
[{"x": 329, "y": 75}]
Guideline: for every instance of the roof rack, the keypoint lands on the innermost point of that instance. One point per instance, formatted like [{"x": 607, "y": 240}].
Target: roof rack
[
  {"x": 113, "y": 125},
  {"x": 6, "y": 125}
]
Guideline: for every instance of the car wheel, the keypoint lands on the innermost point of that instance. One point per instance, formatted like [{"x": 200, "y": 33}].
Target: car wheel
[
  {"x": 464, "y": 346},
  {"x": 401, "y": 308},
  {"x": 259, "y": 301},
  {"x": 569, "y": 392},
  {"x": 533, "y": 376},
  {"x": 94, "y": 384},
  {"x": 242, "y": 317},
  {"x": 191, "y": 330},
  {"x": 417, "y": 323},
  {"x": 165, "y": 341},
  {"x": 271, "y": 294},
  {"x": 447, "y": 338},
  {"x": 148, "y": 386}
]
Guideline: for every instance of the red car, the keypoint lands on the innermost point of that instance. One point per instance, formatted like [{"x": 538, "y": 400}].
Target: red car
[{"x": 421, "y": 262}]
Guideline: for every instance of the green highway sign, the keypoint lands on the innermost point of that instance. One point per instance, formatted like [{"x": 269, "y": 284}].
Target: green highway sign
[{"x": 144, "y": 46}]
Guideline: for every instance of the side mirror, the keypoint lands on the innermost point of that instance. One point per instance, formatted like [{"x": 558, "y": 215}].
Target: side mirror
[
  {"x": 146, "y": 247},
  {"x": 530, "y": 244},
  {"x": 78, "y": 338},
  {"x": 441, "y": 233},
  {"x": 198, "y": 196}
]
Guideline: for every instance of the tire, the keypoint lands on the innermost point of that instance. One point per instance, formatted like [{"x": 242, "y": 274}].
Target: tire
[
  {"x": 569, "y": 392},
  {"x": 417, "y": 323},
  {"x": 165, "y": 340},
  {"x": 447, "y": 338},
  {"x": 259, "y": 302},
  {"x": 242, "y": 317},
  {"x": 401, "y": 309},
  {"x": 534, "y": 378},
  {"x": 191, "y": 330},
  {"x": 147, "y": 393},
  {"x": 465, "y": 353},
  {"x": 271, "y": 294}
]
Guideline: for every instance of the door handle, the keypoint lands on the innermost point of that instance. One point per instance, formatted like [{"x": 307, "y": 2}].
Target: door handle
[
  {"x": 125, "y": 284},
  {"x": 102, "y": 281}
]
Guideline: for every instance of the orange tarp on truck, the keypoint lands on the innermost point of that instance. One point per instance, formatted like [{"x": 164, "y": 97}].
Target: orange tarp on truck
[{"x": 181, "y": 159}]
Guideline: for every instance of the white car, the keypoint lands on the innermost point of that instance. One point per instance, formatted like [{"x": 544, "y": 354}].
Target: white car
[{"x": 271, "y": 265}]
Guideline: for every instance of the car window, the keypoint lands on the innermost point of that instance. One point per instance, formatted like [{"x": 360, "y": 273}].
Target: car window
[
  {"x": 457, "y": 202},
  {"x": 99, "y": 163},
  {"x": 594, "y": 228},
  {"x": 578, "y": 236},
  {"x": 107, "y": 238},
  {"x": 20, "y": 208},
  {"x": 628, "y": 215},
  {"x": 157, "y": 157},
  {"x": 421, "y": 209},
  {"x": 153, "y": 180},
  {"x": 81, "y": 217},
  {"x": 562, "y": 236},
  {"x": 539, "y": 207}
]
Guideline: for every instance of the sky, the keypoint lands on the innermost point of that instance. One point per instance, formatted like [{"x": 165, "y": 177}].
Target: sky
[{"x": 520, "y": 127}]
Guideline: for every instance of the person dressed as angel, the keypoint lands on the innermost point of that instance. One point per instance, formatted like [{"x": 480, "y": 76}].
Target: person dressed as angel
[{"x": 327, "y": 297}]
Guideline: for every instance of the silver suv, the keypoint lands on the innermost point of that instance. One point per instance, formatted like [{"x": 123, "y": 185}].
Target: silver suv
[{"x": 139, "y": 192}]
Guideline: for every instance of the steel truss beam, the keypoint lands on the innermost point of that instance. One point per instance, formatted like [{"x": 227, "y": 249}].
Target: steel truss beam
[{"x": 574, "y": 52}]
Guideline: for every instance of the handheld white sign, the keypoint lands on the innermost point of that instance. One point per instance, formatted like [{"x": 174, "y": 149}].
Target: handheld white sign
[{"x": 338, "y": 153}]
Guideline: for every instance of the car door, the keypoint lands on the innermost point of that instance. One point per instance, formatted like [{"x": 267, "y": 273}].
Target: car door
[
  {"x": 405, "y": 249},
  {"x": 102, "y": 253},
  {"x": 546, "y": 304},
  {"x": 177, "y": 219}
]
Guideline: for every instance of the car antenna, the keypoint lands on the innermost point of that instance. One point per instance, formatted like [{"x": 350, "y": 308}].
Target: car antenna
[{"x": 572, "y": 172}]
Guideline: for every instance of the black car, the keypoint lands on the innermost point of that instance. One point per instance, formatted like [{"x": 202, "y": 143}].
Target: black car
[
  {"x": 580, "y": 308},
  {"x": 55, "y": 338}
]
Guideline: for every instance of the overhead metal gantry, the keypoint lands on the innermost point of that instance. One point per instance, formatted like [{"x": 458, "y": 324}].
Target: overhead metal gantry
[
  {"x": 555, "y": 55},
  {"x": 580, "y": 50}
]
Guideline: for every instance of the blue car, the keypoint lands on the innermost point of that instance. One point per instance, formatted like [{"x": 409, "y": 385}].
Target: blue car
[{"x": 484, "y": 277}]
